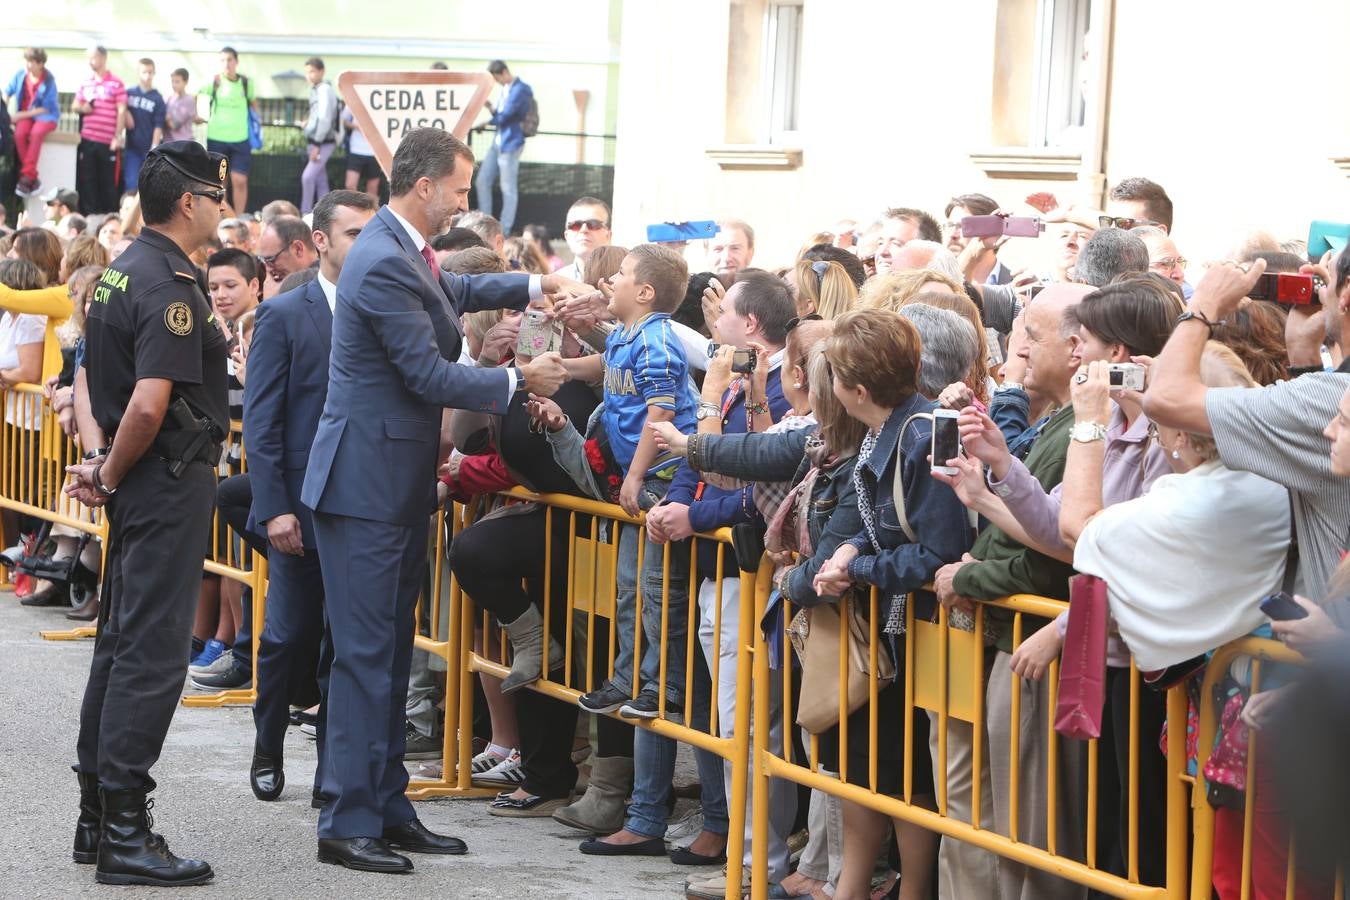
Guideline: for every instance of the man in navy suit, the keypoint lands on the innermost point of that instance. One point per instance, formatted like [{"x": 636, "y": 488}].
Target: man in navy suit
[
  {"x": 283, "y": 398},
  {"x": 503, "y": 156},
  {"x": 371, "y": 481}
]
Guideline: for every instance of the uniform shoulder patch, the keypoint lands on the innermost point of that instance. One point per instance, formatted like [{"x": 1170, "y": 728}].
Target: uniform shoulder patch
[
  {"x": 178, "y": 318},
  {"x": 184, "y": 276}
]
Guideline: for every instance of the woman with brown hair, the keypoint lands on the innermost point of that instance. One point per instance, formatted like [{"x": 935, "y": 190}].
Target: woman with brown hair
[
  {"x": 905, "y": 539},
  {"x": 42, "y": 248}
]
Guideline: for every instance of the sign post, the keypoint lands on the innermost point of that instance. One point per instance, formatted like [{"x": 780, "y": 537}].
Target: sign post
[{"x": 388, "y": 105}]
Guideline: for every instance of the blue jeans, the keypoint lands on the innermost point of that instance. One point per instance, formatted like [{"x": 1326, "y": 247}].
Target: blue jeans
[
  {"x": 132, "y": 160},
  {"x": 625, "y": 601},
  {"x": 507, "y": 165},
  {"x": 654, "y": 768}
]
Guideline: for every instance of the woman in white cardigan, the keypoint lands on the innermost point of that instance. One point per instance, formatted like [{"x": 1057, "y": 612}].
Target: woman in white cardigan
[{"x": 1187, "y": 564}]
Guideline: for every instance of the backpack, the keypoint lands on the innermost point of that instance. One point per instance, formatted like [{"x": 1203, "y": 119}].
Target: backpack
[
  {"x": 529, "y": 123},
  {"x": 215, "y": 86}
]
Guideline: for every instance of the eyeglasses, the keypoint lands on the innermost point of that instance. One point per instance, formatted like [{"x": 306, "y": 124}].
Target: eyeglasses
[
  {"x": 1122, "y": 222},
  {"x": 217, "y": 195},
  {"x": 269, "y": 260},
  {"x": 1168, "y": 263},
  {"x": 797, "y": 320},
  {"x": 588, "y": 224}
]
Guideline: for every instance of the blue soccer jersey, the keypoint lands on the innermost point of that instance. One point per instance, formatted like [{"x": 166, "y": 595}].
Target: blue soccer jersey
[{"x": 645, "y": 366}]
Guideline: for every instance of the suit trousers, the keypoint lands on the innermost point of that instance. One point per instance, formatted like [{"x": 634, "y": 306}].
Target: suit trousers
[
  {"x": 372, "y": 574},
  {"x": 1016, "y": 880},
  {"x": 157, "y": 526},
  {"x": 289, "y": 645}
]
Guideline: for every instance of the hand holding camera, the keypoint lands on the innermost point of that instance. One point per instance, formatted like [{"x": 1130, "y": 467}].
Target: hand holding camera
[
  {"x": 1091, "y": 392},
  {"x": 1223, "y": 287}
]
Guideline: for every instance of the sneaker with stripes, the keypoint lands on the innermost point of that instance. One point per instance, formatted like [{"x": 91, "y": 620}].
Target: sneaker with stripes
[{"x": 510, "y": 771}]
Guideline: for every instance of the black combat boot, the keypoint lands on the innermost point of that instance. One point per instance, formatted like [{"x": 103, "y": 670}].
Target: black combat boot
[
  {"x": 129, "y": 853},
  {"x": 91, "y": 814}
]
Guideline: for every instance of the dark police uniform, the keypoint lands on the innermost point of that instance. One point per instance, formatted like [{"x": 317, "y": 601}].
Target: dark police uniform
[{"x": 151, "y": 319}]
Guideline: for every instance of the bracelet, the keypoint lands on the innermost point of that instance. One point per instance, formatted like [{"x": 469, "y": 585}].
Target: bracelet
[
  {"x": 101, "y": 451},
  {"x": 757, "y": 409},
  {"x": 1198, "y": 316},
  {"x": 692, "y": 453}
]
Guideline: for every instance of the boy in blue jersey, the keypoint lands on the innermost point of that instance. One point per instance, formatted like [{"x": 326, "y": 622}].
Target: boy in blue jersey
[{"x": 646, "y": 380}]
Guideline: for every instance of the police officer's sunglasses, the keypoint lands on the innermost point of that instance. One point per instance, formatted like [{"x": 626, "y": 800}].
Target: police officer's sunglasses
[{"x": 217, "y": 195}]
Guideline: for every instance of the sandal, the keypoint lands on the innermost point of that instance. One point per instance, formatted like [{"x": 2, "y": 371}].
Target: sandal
[{"x": 529, "y": 807}]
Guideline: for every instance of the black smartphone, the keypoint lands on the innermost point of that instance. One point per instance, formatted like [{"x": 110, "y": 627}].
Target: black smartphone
[
  {"x": 743, "y": 361},
  {"x": 946, "y": 439},
  {"x": 1281, "y": 607}
]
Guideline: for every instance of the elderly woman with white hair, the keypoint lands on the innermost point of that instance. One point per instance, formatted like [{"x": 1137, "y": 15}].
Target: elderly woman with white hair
[{"x": 950, "y": 346}]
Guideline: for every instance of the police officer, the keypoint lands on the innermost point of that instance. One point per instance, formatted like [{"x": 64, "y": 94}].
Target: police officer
[{"x": 156, "y": 377}]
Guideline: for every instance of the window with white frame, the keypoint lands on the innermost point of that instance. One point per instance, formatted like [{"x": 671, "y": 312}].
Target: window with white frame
[
  {"x": 782, "y": 52},
  {"x": 1063, "y": 73}
]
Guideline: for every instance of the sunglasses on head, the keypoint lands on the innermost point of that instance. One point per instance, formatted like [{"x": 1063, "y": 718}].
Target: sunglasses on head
[{"x": 588, "y": 224}]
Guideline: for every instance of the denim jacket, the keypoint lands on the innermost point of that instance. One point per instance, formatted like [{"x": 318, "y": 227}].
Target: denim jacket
[
  {"x": 935, "y": 514},
  {"x": 780, "y": 457}
]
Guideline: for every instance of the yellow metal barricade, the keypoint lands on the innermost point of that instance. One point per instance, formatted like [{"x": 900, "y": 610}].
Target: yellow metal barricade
[
  {"x": 33, "y": 455},
  {"x": 230, "y": 558},
  {"x": 590, "y": 594},
  {"x": 945, "y": 674}
]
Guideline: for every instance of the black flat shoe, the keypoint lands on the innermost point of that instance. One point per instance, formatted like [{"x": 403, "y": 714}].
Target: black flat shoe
[
  {"x": 414, "y": 837},
  {"x": 682, "y": 856},
  {"x": 318, "y": 800},
  {"x": 54, "y": 594},
  {"x": 597, "y": 847},
  {"x": 364, "y": 855},
  {"x": 300, "y": 717},
  {"x": 266, "y": 776}
]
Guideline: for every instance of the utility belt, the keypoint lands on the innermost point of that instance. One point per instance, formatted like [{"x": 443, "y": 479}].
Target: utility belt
[{"x": 186, "y": 438}]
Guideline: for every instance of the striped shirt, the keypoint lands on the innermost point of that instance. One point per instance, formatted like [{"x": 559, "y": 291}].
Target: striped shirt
[
  {"x": 1276, "y": 432},
  {"x": 106, "y": 94}
]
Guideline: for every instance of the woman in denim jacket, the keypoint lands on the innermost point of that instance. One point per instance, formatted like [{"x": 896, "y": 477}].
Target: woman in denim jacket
[{"x": 875, "y": 358}]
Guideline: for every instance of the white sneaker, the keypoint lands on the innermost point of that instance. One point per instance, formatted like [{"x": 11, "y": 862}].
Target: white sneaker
[
  {"x": 218, "y": 666},
  {"x": 683, "y": 831},
  {"x": 485, "y": 761},
  {"x": 510, "y": 771}
]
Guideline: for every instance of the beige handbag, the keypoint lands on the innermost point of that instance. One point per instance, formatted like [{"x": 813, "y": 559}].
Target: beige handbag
[{"x": 816, "y": 636}]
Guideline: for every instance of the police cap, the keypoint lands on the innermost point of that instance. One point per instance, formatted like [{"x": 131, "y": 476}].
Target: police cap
[{"x": 193, "y": 160}]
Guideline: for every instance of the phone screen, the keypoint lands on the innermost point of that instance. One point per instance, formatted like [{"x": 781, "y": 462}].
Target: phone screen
[{"x": 946, "y": 439}]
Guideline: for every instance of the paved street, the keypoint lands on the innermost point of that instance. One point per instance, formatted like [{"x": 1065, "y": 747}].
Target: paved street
[{"x": 204, "y": 807}]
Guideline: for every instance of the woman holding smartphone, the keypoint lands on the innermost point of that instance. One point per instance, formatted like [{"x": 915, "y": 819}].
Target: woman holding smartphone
[{"x": 874, "y": 357}]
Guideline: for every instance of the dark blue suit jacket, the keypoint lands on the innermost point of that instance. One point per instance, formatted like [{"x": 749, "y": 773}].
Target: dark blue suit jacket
[
  {"x": 395, "y": 333},
  {"x": 283, "y": 398}
]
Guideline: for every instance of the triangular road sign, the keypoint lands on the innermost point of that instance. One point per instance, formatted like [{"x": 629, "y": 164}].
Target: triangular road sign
[{"x": 390, "y": 104}]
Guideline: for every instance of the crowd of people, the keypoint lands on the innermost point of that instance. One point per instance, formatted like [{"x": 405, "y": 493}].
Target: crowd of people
[{"x": 800, "y": 401}]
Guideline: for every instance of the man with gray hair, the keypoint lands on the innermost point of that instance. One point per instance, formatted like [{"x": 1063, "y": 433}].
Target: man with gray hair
[
  {"x": 234, "y": 234},
  {"x": 950, "y": 346},
  {"x": 1108, "y": 253},
  {"x": 485, "y": 226}
]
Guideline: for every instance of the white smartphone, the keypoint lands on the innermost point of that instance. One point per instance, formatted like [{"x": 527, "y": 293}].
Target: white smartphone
[{"x": 946, "y": 439}]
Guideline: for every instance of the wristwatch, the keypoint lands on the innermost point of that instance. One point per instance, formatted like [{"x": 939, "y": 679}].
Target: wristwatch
[
  {"x": 708, "y": 411},
  {"x": 1009, "y": 386},
  {"x": 520, "y": 377},
  {"x": 1087, "y": 432}
]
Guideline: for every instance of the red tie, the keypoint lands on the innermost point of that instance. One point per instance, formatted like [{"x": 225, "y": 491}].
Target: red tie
[{"x": 430, "y": 258}]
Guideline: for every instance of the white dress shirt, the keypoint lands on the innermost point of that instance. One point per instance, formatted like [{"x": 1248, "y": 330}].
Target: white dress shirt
[{"x": 329, "y": 292}]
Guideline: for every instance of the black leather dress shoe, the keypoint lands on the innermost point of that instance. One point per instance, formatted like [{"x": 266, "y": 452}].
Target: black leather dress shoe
[
  {"x": 414, "y": 837},
  {"x": 364, "y": 855},
  {"x": 266, "y": 776}
]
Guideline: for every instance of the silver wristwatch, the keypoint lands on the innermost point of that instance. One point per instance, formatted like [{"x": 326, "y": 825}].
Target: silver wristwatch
[{"x": 1087, "y": 432}]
